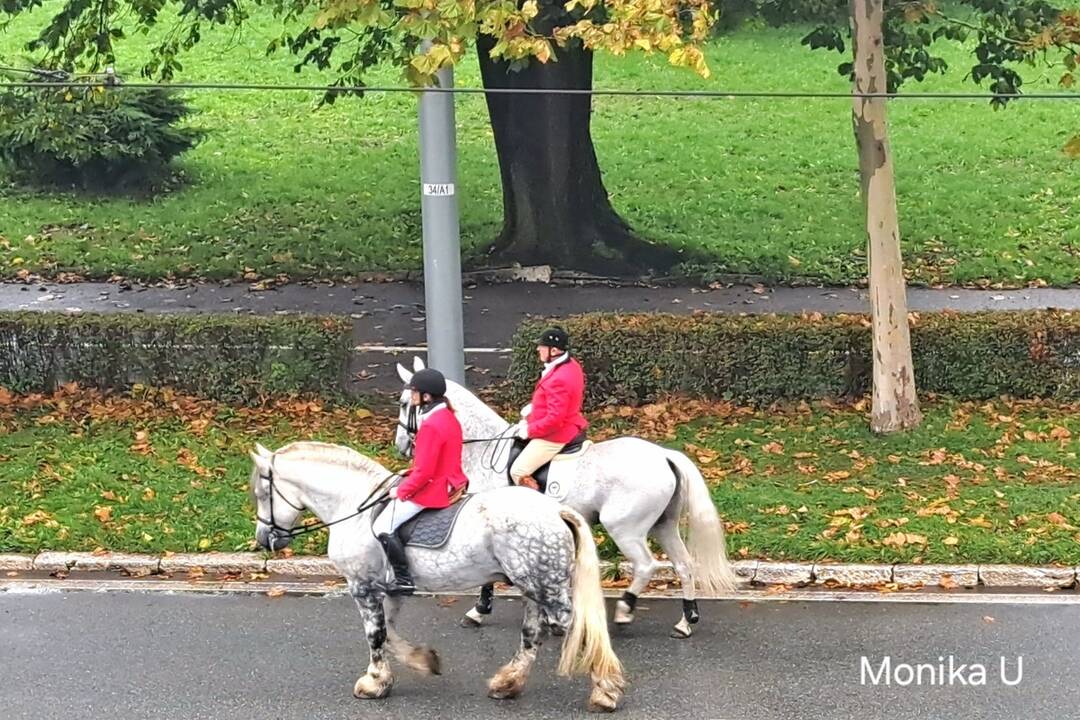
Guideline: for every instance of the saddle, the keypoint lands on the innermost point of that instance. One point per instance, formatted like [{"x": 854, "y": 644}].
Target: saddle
[
  {"x": 541, "y": 475},
  {"x": 430, "y": 528}
]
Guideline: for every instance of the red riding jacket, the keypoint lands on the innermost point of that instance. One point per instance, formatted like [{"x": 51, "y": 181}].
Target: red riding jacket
[
  {"x": 556, "y": 403},
  {"x": 436, "y": 472}
]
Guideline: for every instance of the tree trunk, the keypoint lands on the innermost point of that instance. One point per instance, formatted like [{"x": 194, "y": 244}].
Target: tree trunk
[
  {"x": 556, "y": 210},
  {"x": 895, "y": 403}
]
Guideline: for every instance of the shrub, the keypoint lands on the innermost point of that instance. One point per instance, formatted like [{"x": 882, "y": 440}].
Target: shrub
[
  {"x": 217, "y": 356},
  {"x": 92, "y": 138},
  {"x": 764, "y": 358}
]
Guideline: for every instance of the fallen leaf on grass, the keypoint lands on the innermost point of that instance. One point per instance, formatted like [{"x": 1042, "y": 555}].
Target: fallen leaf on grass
[
  {"x": 142, "y": 443},
  {"x": 39, "y": 517},
  {"x": 1060, "y": 433},
  {"x": 899, "y": 539},
  {"x": 774, "y": 448},
  {"x": 1059, "y": 520},
  {"x": 951, "y": 540},
  {"x": 103, "y": 513}
]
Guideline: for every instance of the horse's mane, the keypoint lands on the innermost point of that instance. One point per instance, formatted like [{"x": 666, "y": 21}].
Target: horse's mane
[
  {"x": 335, "y": 454},
  {"x": 466, "y": 399}
]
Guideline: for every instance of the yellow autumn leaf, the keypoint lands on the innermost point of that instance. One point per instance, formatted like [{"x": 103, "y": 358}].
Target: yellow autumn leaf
[
  {"x": 951, "y": 541},
  {"x": 1072, "y": 148}
]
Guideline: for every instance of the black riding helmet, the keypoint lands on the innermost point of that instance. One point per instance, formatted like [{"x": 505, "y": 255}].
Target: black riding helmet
[
  {"x": 428, "y": 381},
  {"x": 555, "y": 337}
]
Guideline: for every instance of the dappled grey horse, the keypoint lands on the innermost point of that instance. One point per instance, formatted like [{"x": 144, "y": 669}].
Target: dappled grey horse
[
  {"x": 634, "y": 488},
  {"x": 512, "y": 535}
]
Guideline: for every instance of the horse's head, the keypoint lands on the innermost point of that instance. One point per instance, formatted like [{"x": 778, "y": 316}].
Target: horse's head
[
  {"x": 408, "y": 414},
  {"x": 275, "y": 514}
]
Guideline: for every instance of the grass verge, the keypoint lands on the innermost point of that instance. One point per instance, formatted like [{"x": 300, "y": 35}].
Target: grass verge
[{"x": 991, "y": 483}]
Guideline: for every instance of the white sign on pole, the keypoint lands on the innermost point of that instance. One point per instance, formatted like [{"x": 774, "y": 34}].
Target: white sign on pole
[{"x": 438, "y": 189}]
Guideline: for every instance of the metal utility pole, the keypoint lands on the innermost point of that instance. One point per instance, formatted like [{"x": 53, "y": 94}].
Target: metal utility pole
[{"x": 442, "y": 243}]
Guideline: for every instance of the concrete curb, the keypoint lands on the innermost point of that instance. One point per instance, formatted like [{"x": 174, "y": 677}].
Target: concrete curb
[{"x": 754, "y": 572}]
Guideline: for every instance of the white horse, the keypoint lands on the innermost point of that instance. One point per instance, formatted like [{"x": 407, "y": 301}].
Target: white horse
[
  {"x": 544, "y": 549},
  {"x": 634, "y": 488}
]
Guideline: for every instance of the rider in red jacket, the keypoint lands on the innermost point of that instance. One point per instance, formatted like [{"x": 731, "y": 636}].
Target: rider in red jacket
[
  {"x": 553, "y": 418},
  {"x": 435, "y": 476}
]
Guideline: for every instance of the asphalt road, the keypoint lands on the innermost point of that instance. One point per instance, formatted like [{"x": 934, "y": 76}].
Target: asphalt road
[{"x": 136, "y": 656}]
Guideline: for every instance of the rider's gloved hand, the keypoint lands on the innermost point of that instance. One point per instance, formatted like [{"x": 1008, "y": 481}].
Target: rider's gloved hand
[{"x": 525, "y": 411}]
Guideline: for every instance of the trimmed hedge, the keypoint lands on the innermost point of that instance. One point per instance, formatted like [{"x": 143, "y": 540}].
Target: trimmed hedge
[
  {"x": 217, "y": 356},
  {"x": 764, "y": 358}
]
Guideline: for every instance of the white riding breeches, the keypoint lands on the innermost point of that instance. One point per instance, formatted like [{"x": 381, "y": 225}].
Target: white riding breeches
[{"x": 394, "y": 515}]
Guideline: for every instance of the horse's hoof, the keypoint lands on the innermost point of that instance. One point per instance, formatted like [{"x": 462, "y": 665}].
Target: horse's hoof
[
  {"x": 623, "y": 614},
  {"x": 503, "y": 694},
  {"x": 471, "y": 619},
  {"x": 369, "y": 687},
  {"x": 682, "y": 630},
  {"x": 602, "y": 702},
  {"x": 425, "y": 660},
  {"x": 506, "y": 685}
]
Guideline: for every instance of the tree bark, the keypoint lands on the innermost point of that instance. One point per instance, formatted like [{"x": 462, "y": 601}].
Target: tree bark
[
  {"x": 556, "y": 210},
  {"x": 895, "y": 404}
]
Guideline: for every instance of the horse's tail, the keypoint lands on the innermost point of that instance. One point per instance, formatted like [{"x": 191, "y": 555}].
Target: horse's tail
[
  {"x": 708, "y": 551},
  {"x": 587, "y": 645}
]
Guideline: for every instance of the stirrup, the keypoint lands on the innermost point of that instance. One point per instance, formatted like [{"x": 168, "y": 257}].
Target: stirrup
[{"x": 397, "y": 589}]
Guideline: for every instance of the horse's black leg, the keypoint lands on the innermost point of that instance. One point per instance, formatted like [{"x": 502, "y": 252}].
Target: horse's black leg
[{"x": 475, "y": 616}]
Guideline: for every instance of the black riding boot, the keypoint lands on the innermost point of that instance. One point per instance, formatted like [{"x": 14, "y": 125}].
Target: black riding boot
[{"x": 395, "y": 553}]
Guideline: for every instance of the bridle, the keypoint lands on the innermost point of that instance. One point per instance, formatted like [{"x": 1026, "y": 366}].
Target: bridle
[{"x": 374, "y": 498}]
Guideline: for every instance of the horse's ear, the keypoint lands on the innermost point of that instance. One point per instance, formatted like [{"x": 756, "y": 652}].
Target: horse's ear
[
  {"x": 262, "y": 451},
  {"x": 258, "y": 459},
  {"x": 417, "y": 364},
  {"x": 404, "y": 374}
]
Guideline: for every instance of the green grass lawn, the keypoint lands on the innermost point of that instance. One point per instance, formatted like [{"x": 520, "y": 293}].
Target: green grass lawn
[
  {"x": 975, "y": 483},
  {"x": 762, "y": 186}
]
